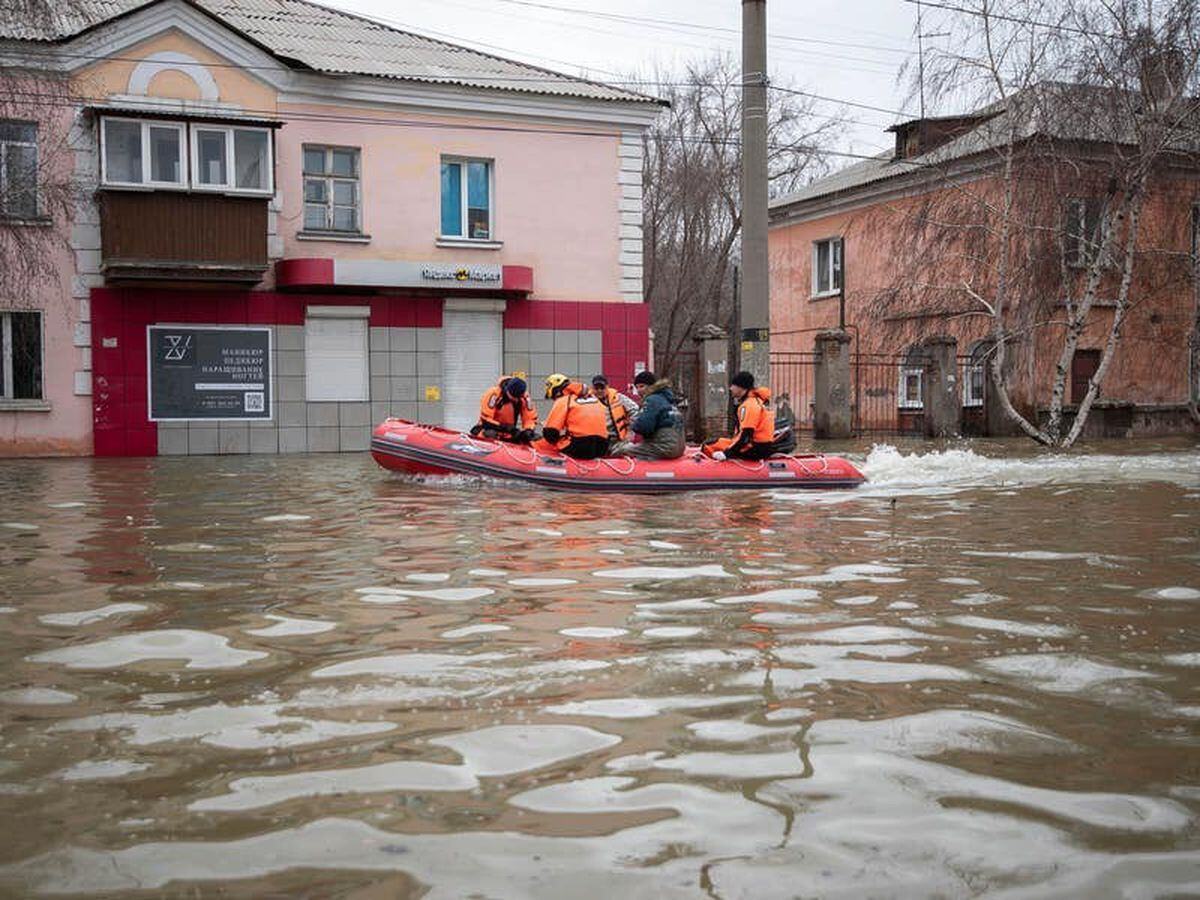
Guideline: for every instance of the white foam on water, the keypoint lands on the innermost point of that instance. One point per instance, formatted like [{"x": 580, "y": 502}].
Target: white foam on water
[
  {"x": 36, "y": 696},
  {"x": 873, "y": 573},
  {"x": 88, "y": 616},
  {"x": 1008, "y": 626},
  {"x": 611, "y": 551},
  {"x": 735, "y": 731},
  {"x": 391, "y": 597},
  {"x": 668, "y": 632},
  {"x": 1172, "y": 593},
  {"x": 668, "y": 609},
  {"x": 1032, "y": 555},
  {"x": 548, "y": 532},
  {"x": 427, "y": 577},
  {"x": 963, "y": 581},
  {"x": 188, "y": 547},
  {"x": 663, "y": 545},
  {"x": 541, "y": 582},
  {"x": 286, "y": 517},
  {"x": 902, "y": 604},
  {"x": 468, "y": 630},
  {"x": 1060, "y": 673},
  {"x": 189, "y": 585},
  {"x": 99, "y": 769},
  {"x": 862, "y": 634},
  {"x": 593, "y": 632},
  {"x": 18, "y": 526},
  {"x": 487, "y": 573},
  {"x": 201, "y": 649},
  {"x": 663, "y": 573},
  {"x": 890, "y": 472},
  {"x": 68, "y": 504},
  {"x": 979, "y": 599},
  {"x": 7, "y": 610},
  {"x": 751, "y": 570},
  {"x": 289, "y": 627},
  {"x": 614, "y": 532}
]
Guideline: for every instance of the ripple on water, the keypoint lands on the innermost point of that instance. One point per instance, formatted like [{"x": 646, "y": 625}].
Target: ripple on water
[
  {"x": 289, "y": 627},
  {"x": 668, "y": 632},
  {"x": 1008, "y": 626},
  {"x": 37, "y": 696},
  {"x": 663, "y": 573},
  {"x": 88, "y": 616},
  {"x": 1060, "y": 673},
  {"x": 642, "y": 707},
  {"x": 201, "y": 649},
  {"x": 593, "y": 632},
  {"x": 1177, "y": 592},
  {"x": 468, "y": 630},
  {"x": 101, "y": 769}
]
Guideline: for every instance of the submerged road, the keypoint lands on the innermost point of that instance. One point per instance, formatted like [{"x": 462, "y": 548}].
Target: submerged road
[{"x": 978, "y": 675}]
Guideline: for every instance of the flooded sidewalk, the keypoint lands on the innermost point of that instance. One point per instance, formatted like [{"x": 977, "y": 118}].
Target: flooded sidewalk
[{"x": 977, "y": 675}]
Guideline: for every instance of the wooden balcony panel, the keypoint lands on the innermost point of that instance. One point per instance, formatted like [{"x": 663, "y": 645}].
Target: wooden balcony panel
[{"x": 177, "y": 236}]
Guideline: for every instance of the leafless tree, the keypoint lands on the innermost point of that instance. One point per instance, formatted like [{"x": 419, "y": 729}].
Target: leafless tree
[
  {"x": 1095, "y": 101},
  {"x": 692, "y": 196},
  {"x": 39, "y": 188}
]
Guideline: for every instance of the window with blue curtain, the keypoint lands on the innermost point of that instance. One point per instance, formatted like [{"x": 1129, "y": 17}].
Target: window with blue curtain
[{"x": 467, "y": 208}]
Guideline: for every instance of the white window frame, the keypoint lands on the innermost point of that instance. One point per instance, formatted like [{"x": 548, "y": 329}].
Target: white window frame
[
  {"x": 146, "y": 183},
  {"x": 329, "y": 179},
  {"x": 230, "y": 186},
  {"x": 5, "y": 215},
  {"x": 1080, "y": 250},
  {"x": 462, "y": 198},
  {"x": 903, "y": 400},
  {"x": 6, "y": 355},
  {"x": 361, "y": 313},
  {"x": 970, "y": 366},
  {"x": 839, "y": 269}
]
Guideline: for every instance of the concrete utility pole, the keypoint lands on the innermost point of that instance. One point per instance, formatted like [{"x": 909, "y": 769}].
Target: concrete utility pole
[{"x": 755, "y": 308}]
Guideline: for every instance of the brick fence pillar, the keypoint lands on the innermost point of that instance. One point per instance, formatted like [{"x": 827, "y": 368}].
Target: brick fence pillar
[{"x": 712, "y": 345}]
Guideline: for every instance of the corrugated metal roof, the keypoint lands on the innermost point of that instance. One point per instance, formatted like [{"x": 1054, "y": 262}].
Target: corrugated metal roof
[{"x": 336, "y": 42}]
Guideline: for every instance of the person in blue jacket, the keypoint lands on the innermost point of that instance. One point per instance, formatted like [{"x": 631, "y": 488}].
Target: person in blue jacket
[{"x": 659, "y": 424}]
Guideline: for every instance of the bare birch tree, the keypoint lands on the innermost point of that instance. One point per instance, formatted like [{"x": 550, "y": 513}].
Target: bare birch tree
[
  {"x": 39, "y": 189},
  {"x": 692, "y": 201},
  {"x": 1094, "y": 101}
]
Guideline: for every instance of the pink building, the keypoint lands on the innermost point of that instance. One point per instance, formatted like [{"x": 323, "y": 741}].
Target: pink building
[{"x": 295, "y": 222}]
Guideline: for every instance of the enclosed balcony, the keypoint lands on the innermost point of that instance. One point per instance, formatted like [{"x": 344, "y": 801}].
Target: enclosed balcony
[{"x": 175, "y": 236}]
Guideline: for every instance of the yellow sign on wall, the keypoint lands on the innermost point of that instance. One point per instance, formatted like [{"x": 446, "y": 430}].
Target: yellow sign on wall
[{"x": 433, "y": 393}]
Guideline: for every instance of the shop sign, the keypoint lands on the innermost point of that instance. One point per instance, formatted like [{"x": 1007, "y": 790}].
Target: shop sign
[{"x": 208, "y": 373}]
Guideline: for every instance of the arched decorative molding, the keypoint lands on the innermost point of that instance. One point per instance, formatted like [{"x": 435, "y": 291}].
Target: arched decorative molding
[{"x": 144, "y": 72}]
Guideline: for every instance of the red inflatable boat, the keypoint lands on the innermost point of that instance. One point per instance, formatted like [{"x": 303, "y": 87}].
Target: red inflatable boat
[{"x": 411, "y": 447}]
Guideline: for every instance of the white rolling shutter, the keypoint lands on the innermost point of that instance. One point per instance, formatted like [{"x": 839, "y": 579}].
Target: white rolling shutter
[
  {"x": 335, "y": 355},
  {"x": 474, "y": 343}
]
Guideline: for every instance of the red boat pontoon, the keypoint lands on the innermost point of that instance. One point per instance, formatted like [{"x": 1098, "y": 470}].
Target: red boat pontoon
[{"x": 411, "y": 447}]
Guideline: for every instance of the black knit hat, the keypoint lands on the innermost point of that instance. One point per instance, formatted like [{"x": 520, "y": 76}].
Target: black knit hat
[
  {"x": 743, "y": 380},
  {"x": 645, "y": 377},
  {"x": 599, "y": 381}
]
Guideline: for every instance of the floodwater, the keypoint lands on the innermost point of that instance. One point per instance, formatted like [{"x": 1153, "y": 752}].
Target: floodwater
[{"x": 978, "y": 675}]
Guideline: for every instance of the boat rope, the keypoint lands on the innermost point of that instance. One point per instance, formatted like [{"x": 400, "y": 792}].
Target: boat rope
[{"x": 610, "y": 464}]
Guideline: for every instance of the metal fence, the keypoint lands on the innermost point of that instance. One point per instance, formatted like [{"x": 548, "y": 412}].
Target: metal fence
[
  {"x": 687, "y": 382},
  {"x": 792, "y": 382}
]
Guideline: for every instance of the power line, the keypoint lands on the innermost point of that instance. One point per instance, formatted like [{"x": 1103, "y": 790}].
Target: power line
[
  {"x": 1019, "y": 20},
  {"x": 38, "y": 101}
]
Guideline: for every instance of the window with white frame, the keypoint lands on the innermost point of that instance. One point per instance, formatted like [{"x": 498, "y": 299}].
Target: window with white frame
[
  {"x": 156, "y": 154},
  {"x": 975, "y": 373},
  {"x": 225, "y": 158},
  {"x": 1083, "y": 231},
  {"x": 18, "y": 170},
  {"x": 20, "y": 356},
  {"x": 910, "y": 392},
  {"x": 467, "y": 199},
  {"x": 336, "y": 360},
  {"x": 827, "y": 267},
  {"x": 332, "y": 189}
]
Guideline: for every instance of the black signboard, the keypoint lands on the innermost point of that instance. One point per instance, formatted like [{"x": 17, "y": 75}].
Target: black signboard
[{"x": 209, "y": 373}]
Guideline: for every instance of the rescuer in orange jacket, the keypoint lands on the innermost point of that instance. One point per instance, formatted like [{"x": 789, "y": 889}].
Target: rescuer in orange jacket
[
  {"x": 617, "y": 408},
  {"x": 577, "y": 424},
  {"x": 505, "y": 412},
  {"x": 755, "y": 437}
]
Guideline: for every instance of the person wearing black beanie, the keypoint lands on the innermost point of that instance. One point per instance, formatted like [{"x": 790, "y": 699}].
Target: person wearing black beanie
[{"x": 755, "y": 437}]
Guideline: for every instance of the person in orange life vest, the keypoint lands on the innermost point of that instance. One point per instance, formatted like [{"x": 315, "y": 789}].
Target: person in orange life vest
[
  {"x": 755, "y": 438},
  {"x": 505, "y": 412},
  {"x": 617, "y": 408},
  {"x": 577, "y": 424}
]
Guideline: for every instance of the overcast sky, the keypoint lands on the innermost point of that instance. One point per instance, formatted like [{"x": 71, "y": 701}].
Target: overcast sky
[{"x": 596, "y": 41}]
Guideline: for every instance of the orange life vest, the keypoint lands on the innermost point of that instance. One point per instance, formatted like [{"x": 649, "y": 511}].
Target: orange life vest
[
  {"x": 500, "y": 411},
  {"x": 574, "y": 417},
  {"x": 616, "y": 412},
  {"x": 753, "y": 413}
]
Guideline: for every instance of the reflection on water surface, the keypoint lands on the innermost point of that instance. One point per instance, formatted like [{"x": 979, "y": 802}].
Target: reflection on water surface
[{"x": 305, "y": 677}]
